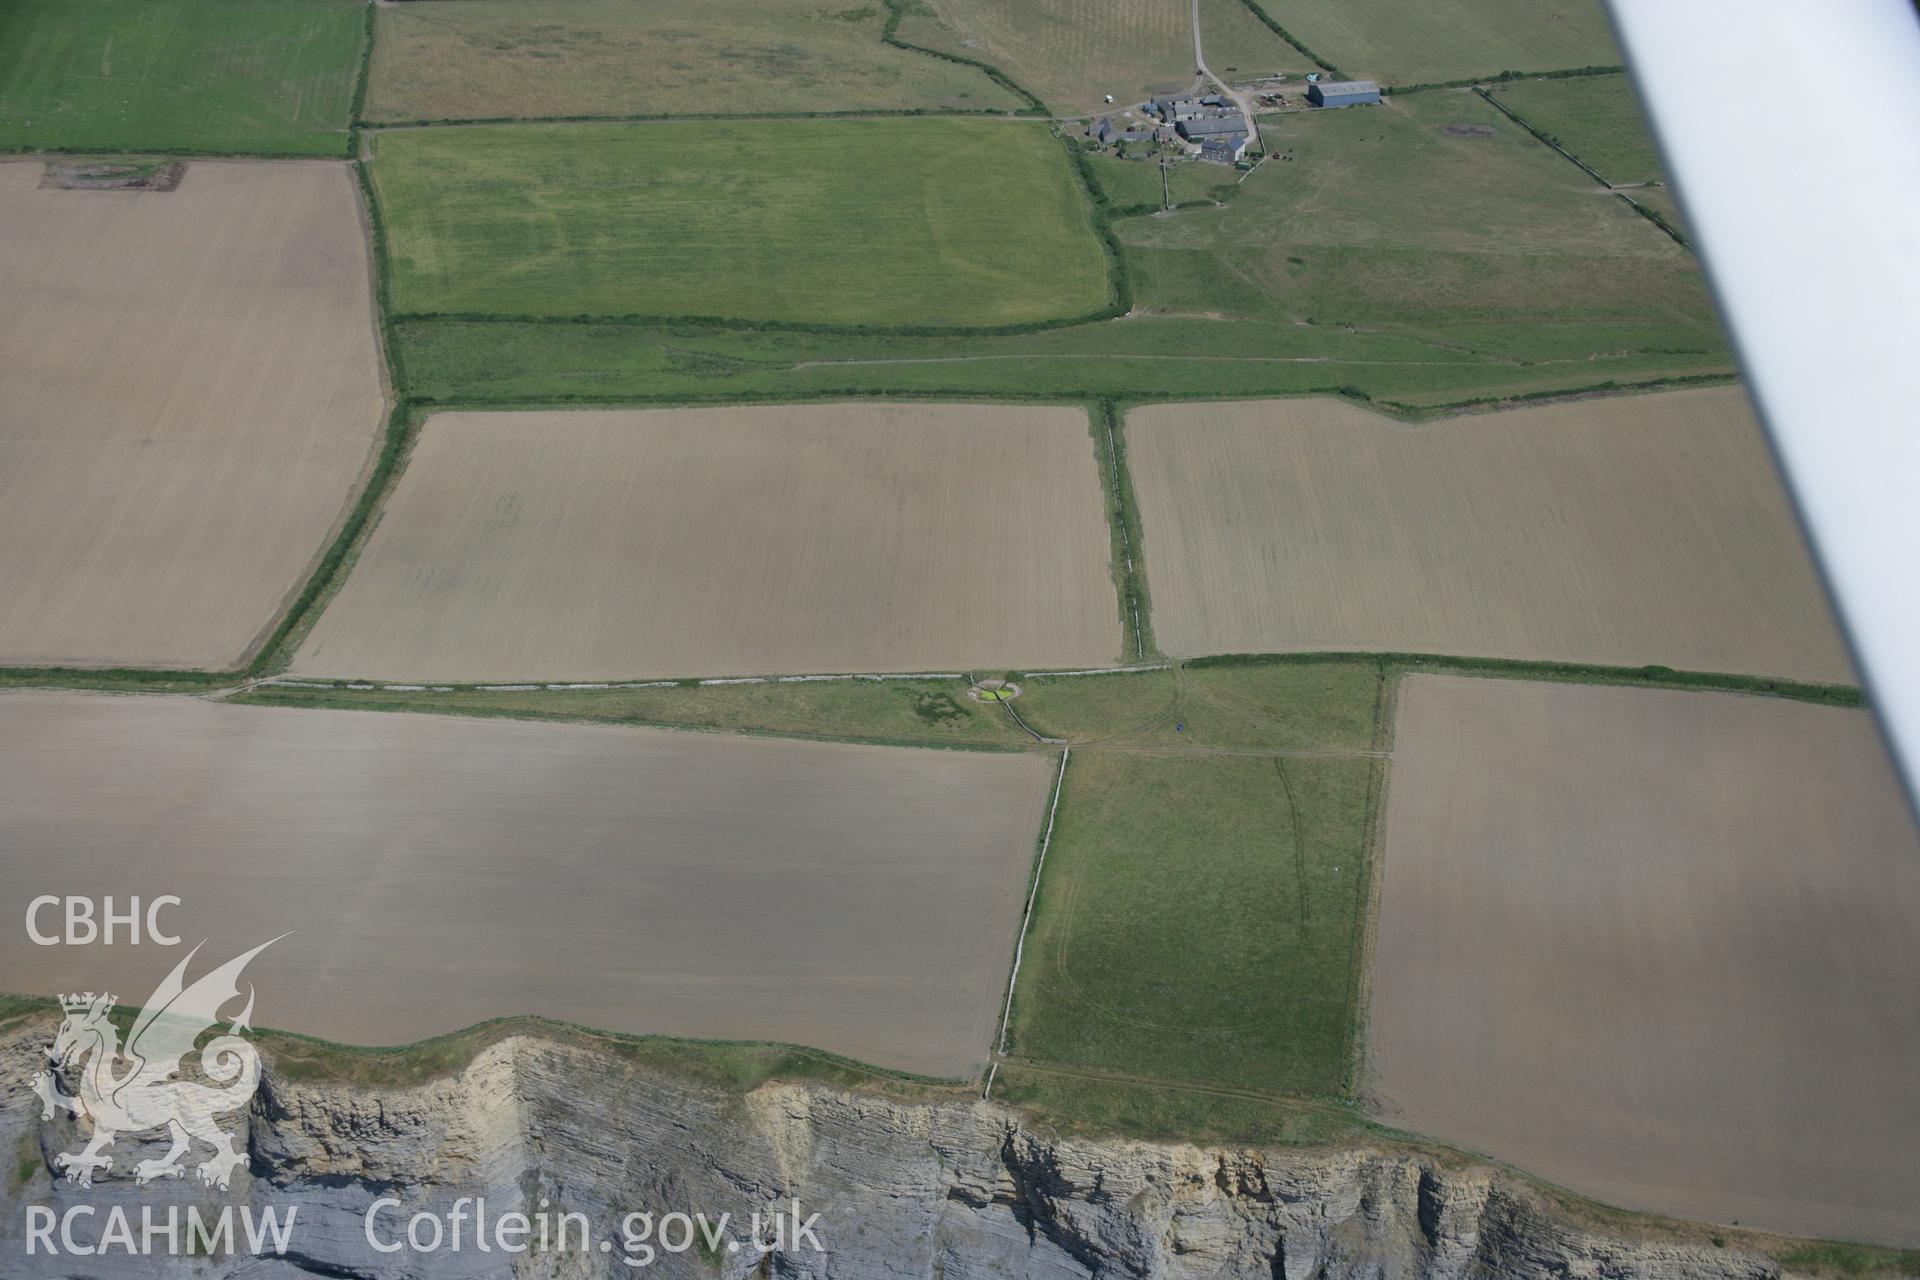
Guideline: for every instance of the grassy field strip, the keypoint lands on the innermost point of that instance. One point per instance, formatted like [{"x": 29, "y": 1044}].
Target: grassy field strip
[
  {"x": 284, "y": 682},
  {"x": 1026, "y": 921},
  {"x": 1114, "y": 355},
  {"x": 1416, "y": 362}
]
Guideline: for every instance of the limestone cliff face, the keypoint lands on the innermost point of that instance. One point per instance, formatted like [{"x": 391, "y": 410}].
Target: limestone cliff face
[{"x": 954, "y": 1190}]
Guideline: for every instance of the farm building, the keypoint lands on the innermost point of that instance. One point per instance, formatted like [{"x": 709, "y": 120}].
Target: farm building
[
  {"x": 1106, "y": 131},
  {"x": 1222, "y": 125},
  {"x": 1223, "y": 150},
  {"x": 1343, "y": 93}
]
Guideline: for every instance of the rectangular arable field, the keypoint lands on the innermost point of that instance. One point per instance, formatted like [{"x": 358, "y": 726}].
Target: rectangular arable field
[
  {"x": 438, "y": 871},
  {"x": 494, "y": 59},
  {"x": 1633, "y": 531},
  {"x": 589, "y": 545},
  {"x": 1656, "y": 946},
  {"x": 192, "y": 392},
  {"x": 946, "y": 222},
  {"x": 251, "y": 76}
]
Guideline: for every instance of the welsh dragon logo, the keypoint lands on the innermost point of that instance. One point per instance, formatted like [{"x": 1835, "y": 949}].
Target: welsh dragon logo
[{"x": 132, "y": 1089}]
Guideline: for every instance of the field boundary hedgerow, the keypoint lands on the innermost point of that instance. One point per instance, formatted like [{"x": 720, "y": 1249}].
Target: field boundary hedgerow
[
  {"x": 1653, "y": 215},
  {"x": 1266, "y": 20},
  {"x": 1540, "y": 135},
  {"x": 1487, "y": 404},
  {"x": 1650, "y": 677},
  {"x": 397, "y": 436},
  {"x": 1026, "y": 920},
  {"x": 1123, "y": 515},
  {"x": 185, "y": 153},
  {"x": 889, "y": 35},
  {"x": 685, "y": 117},
  {"x": 1470, "y": 82},
  {"x": 359, "y": 104}
]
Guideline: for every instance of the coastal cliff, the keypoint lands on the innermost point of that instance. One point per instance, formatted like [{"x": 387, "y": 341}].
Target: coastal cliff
[{"x": 949, "y": 1187}]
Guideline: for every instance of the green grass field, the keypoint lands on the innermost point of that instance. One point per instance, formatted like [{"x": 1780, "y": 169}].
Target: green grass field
[
  {"x": 226, "y": 76},
  {"x": 939, "y": 222},
  {"x": 1420, "y": 267},
  {"x": 1384, "y": 220},
  {"x": 1199, "y": 921},
  {"x": 1147, "y": 357},
  {"x": 493, "y": 59},
  {"x": 1400, "y": 43},
  {"x": 1596, "y": 118}
]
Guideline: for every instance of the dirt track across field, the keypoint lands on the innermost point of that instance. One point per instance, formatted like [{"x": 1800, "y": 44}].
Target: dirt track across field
[
  {"x": 438, "y": 871},
  {"x": 1634, "y": 530},
  {"x": 1659, "y": 947},
  {"x": 192, "y": 392},
  {"x": 745, "y": 541}
]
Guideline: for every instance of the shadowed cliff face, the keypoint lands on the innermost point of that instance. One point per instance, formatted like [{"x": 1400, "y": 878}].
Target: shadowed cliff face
[{"x": 954, "y": 1189}]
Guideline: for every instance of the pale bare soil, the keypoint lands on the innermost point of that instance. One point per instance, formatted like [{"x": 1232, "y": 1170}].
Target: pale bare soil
[
  {"x": 1631, "y": 530},
  {"x": 439, "y": 871},
  {"x": 192, "y": 389},
  {"x": 739, "y": 541},
  {"x": 1660, "y": 947}
]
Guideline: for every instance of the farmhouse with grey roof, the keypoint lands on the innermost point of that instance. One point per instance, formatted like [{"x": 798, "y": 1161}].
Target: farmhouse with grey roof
[
  {"x": 1223, "y": 150},
  {"x": 1213, "y": 126}
]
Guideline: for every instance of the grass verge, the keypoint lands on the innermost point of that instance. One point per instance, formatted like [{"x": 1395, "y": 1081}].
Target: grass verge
[{"x": 918, "y": 713}]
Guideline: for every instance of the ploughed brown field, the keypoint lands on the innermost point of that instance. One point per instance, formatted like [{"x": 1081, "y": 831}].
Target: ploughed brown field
[
  {"x": 743, "y": 541},
  {"x": 1660, "y": 947},
  {"x": 437, "y": 871},
  {"x": 1633, "y": 530},
  {"x": 192, "y": 393}
]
